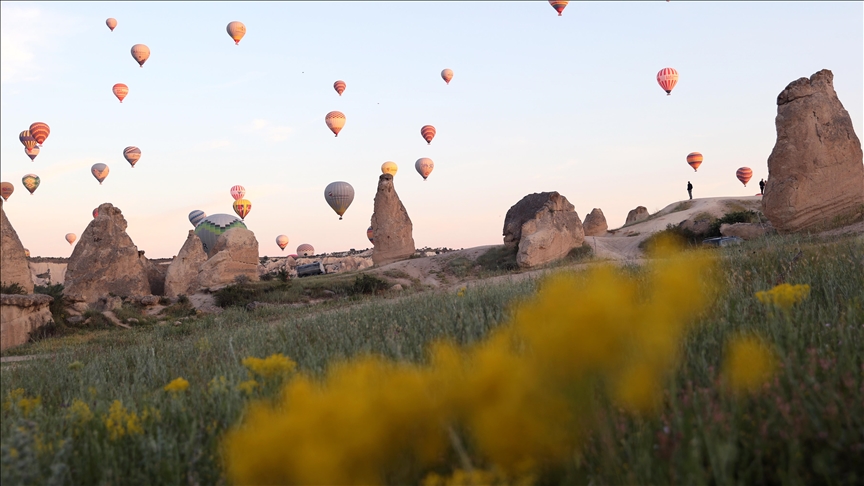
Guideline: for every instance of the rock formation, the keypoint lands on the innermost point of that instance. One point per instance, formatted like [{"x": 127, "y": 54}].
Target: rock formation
[
  {"x": 544, "y": 226},
  {"x": 20, "y": 315},
  {"x": 391, "y": 225},
  {"x": 235, "y": 254},
  {"x": 13, "y": 261},
  {"x": 816, "y": 171},
  {"x": 105, "y": 260},
  {"x": 636, "y": 215},
  {"x": 745, "y": 231},
  {"x": 182, "y": 275},
  {"x": 156, "y": 273},
  {"x": 595, "y": 223}
]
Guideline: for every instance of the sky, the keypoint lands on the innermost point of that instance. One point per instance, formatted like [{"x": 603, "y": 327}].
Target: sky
[{"x": 538, "y": 103}]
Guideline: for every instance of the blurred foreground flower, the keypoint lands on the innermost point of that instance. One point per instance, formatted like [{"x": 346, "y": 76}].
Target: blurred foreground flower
[
  {"x": 748, "y": 364},
  {"x": 177, "y": 385},
  {"x": 784, "y": 295},
  {"x": 120, "y": 421}
]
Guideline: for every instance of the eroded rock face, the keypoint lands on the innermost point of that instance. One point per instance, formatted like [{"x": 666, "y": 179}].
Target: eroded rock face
[
  {"x": 13, "y": 261},
  {"x": 20, "y": 315},
  {"x": 105, "y": 260},
  {"x": 745, "y": 231},
  {"x": 544, "y": 226},
  {"x": 595, "y": 223},
  {"x": 391, "y": 225},
  {"x": 816, "y": 171},
  {"x": 636, "y": 215},
  {"x": 156, "y": 273},
  {"x": 236, "y": 253},
  {"x": 182, "y": 275}
]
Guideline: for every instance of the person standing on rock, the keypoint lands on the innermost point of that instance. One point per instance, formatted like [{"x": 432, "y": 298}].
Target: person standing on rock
[
  {"x": 762, "y": 186},
  {"x": 690, "y": 189}
]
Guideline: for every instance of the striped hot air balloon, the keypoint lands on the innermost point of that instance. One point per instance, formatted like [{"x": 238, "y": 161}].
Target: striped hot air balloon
[
  {"x": 237, "y": 192},
  {"x": 132, "y": 154},
  {"x": 695, "y": 160},
  {"x": 369, "y": 235},
  {"x": 447, "y": 75},
  {"x": 6, "y": 190},
  {"x": 667, "y": 78},
  {"x": 111, "y": 23},
  {"x": 31, "y": 182},
  {"x": 428, "y": 133},
  {"x": 744, "y": 174},
  {"x": 339, "y": 195},
  {"x": 29, "y": 142},
  {"x": 100, "y": 172},
  {"x": 335, "y": 121},
  {"x": 236, "y": 30},
  {"x": 32, "y": 153},
  {"x": 70, "y": 237},
  {"x": 40, "y": 132},
  {"x": 339, "y": 86},
  {"x": 140, "y": 53},
  {"x": 424, "y": 167},
  {"x": 196, "y": 217},
  {"x": 282, "y": 242},
  {"x": 211, "y": 227},
  {"x": 120, "y": 91},
  {"x": 389, "y": 168},
  {"x": 242, "y": 207},
  {"x": 23, "y": 135},
  {"x": 305, "y": 250},
  {"x": 558, "y": 5}
]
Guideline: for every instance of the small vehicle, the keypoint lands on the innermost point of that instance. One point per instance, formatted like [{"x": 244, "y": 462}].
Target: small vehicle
[
  {"x": 723, "y": 241},
  {"x": 314, "y": 268}
]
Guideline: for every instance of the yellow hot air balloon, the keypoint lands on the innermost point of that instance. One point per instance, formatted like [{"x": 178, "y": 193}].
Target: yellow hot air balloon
[
  {"x": 282, "y": 241},
  {"x": 100, "y": 172},
  {"x": 389, "y": 168},
  {"x": 335, "y": 121},
  {"x": 242, "y": 207},
  {"x": 39, "y": 131},
  {"x": 447, "y": 75},
  {"x": 236, "y": 30},
  {"x": 6, "y": 190},
  {"x": 70, "y": 237},
  {"x": 141, "y": 53},
  {"x": 111, "y": 23},
  {"x": 424, "y": 167}
]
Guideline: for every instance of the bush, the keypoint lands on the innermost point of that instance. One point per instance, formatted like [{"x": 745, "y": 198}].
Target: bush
[
  {"x": 58, "y": 305},
  {"x": 747, "y": 216},
  {"x": 368, "y": 284},
  {"x": 580, "y": 252},
  {"x": 499, "y": 258},
  {"x": 12, "y": 288},
  {"x": 681, "y": 236}
]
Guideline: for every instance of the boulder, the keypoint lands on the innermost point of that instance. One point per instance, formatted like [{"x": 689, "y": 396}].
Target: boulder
[
  {"x": 105, "y": 260},
  {"x": 697, "y": 226},
  {"x": 595, "y": 223},
  {"x": 745, "y": 231},
  {"x": 544, "y": 227},
  {"x": 816, "y": 170},
  {"x": 235, "y": 255},
  {"x": 181, "y": 278},
  {"x": 391, "y": 225},
  {"x": 636, "y": 215},
  {"x": 13, "y": 261},
  {"x": 20, "y": 315}
]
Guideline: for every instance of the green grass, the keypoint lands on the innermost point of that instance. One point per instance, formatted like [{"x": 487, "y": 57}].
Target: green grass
[{"x": 805, "y": 427}]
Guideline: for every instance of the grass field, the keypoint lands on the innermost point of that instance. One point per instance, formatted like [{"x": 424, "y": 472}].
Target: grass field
[{"x": 644, "y": 375}]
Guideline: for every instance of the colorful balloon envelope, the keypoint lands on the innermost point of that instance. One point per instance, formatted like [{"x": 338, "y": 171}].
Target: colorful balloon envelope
[
  {"x": 120, "y": 91},
  {"x": 428, "y": 133},
  {"x": 667, "y": 78},
  {"x": 242, "y": 207},
  {"x": 70, "y": 237},
  {"x": 339, "y": 195},
  {"x": 558, "y": 5},
  {"x": 132, "y": 154},
  {"x": 140, "y": 53},
  {"x": 196, "y": 217},
  {"x": 339, "y": 86},
  {"x": 23, "y": 135},
  {"x": 305, "y": 250},
  {"x": 32, "y": 153},
  {"x": 6, "y": 190},
  {"x": 369, "y": 235},
  {"x": 28, "y": 141},
  {"x": 236, "y": 30},
  {"x": 424, "y": 167},
  {"x": 335, "y": 120},
  {"x": 100, "y": 172},
  {"x": 95, "y": 213},
  {"x": 111, "y": 23},
  {"x": 31, "y": 182},
  {"x": 389, "y": 168},
  {"x": 447, "y": 75},
  {"x": 237, "y": 192},
  {"x": 695, "y": 160},
  {"x": 211, "y": 227},
  {"x": 282, "y": 242},
  {"x": 40, "y": 132},
  {"x": 744, "y": 174}
]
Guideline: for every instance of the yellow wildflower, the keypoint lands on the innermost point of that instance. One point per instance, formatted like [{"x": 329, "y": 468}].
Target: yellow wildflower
[
  {"x": 177, "y": 385},
  {"x": 217, "y": 385},
  {"x": 784, "y": 295},
  {"x": 271, "y": 366},
  {"x": 466, "y": 478},
  {"x": 27, "y": 405},
  {"x": 120, "y": 421},
  {"x": 248, "y": 386},
  {"x": 79, "y": 413},
  {"x": 461, "y": 292},
  {"x": 748, "y": 364},
  {"x": 150, "y": 413},
  {"x": 11, "y": 397}
]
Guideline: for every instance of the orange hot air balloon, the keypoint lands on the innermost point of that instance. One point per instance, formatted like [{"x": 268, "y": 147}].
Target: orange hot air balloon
[
  {"x": 335, "y": 121},
  {"x": 695, "y": 160},
  {"x": 339, "y": 86},
  {"x": 70, "y": 237},
  {"x": 236, "y": 30},
  {"x": 32, "y": 153},
  {"x": 447, "y": 75},
  {"x": 744, "y": 174},
  {"x": 40, "y": 131},
  {"x": 111, "y": 23},
  {"x": 6, "y": 190},
  {"x": 558, "y": 5},
  {"x": 242, "y": 207},
  {"x": 428, "y": 133},
  {"x": 667, "y": 78},
  {"x": 120, "y": 91},
  {"x": 140, "y": 53}
]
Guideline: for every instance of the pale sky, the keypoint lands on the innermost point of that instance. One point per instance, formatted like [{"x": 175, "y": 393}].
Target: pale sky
[{"x": 538, "y": 103}]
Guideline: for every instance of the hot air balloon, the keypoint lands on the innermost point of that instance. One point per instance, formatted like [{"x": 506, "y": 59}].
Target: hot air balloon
[
  {"x": 695, "y": 160},
  {"x": 282, "y": 242},
  {"x": 95, "y": 213},
  {"x": 447, "y": 75},
  {"x": 389, "y": 168},
  {"x": 369, "y": 235},
  {"x": 28, "y": 141},
  {"x": 236, "y": 30},
  {"x": 335, "y": 121},
  {"x": 32, "y": 153},
  {"x": 31, "y": 182},
  {"x": 424, "y": 167},
  {"x": 668, "y": 78},
  {"x": 6, "y": 190},
  {"x": 23, "y": 135},
  {"x": 111, "y": 23},
  {"x": 339, "y": 86},
  {"x": 428, "y": 133},
  {"x": 140, "y": 53},
  {"x": 744, "y": 174},
  {"x": 211, "y": 227},
  {"x": 40, "y": 132},
  {"x": 120, "y": 91},
  {"x": 70, "y": 237},
  {"x": 558, "y": 5},
  {"x": 100, "y": 172},
  {"x": 132, "y": 154},
  {"x": 26, "y": 253},
  {"x": 237, "y": 192},
  {"x": 339, "y": 196},
  {"x": 305, "y": 250},
  {"x": 196, "y": 217},
  {"x": 242, "y": 207}
]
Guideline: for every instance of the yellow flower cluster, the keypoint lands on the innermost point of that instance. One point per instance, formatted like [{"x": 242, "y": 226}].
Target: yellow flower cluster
[
  {"x": 177, "y": 385},
  {"x": 79, "y": 413},
  {"x": 271, "y": 366},
  {"x": 27, "y": 405},
  {"x": 461, "y": 292},
  {"x": 248, "y": 386},
  {"x": 120, "y": 421},
  {"x": 217, "y": 385},
  {"x": 12, "y": 396},
  {"x": 784, "y": 295},
  {"x": 473, "y": 477},
  {"x": 748, "y": 364}
]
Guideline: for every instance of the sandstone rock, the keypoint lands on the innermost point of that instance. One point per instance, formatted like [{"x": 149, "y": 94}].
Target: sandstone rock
[
  {"x": 745, "y": 231},
  {"x": 595, "y": 223},
  {"x": 108, "y": 303},
  {"x": 391, "y": 225},
  {"x": 13, "y": 261},
  {"x": 636, "y": 215},
  {"x": 697, "y": 226},
  {"x": 236, "y": 255},
  {"x": 544, "y": 226},
  {"x": 816, "y": 170},
  {"x": 47, "y": 273},
  {"x": 181, "y": 278},
  {"x": 105, "y": 260},
  {"x": 20, "y": 315},
  {"x": 396, "y": 288},
  {"x": 156, "y": 274}
]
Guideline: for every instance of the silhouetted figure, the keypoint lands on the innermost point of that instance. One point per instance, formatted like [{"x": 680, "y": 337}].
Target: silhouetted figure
[
  {"x": 690, "y": 189},
  {"x": 762, "y": 186}
]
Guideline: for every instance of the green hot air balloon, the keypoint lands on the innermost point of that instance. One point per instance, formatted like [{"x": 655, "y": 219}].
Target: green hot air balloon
[
  {"x": 213, "y": 226},
  {"x": 339, "y": 196},
  {"x": 31, "y": 182}
]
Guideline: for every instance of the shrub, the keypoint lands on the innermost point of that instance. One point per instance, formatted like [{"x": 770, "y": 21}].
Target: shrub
[
  {"x": 681, "y": 236},
  {"x": 748, "y": 216},
  {"x": 58, "y": 305},
  {"x": 12, "y": 288},
  {"x": 499, "y": 258},
  {"x": 368, "y": 284}
]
